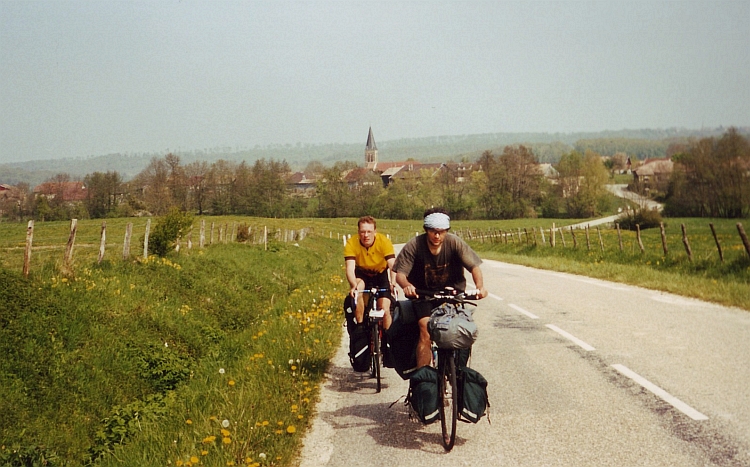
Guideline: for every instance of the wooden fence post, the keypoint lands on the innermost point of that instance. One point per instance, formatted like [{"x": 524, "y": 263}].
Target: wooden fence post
[
  {"x": 663, "y": 238},
  {"x": 102, "y": 242},
  {"x": 573, "y": 234},
  {"x": 71, "y": 241},
  {"x": 601, "y": 242},
  {"x": 190, "y": 238},
  {"x": 638, "y": 236},
  {"x": 533, "y": 232},
  {"x": 145, "y": 238},
  {"x": 265, "y": 238},
  {"x": 552, "y": 236},
  {"x": 27, "y": 251},
  {"x": 126, "y": 245},
  {"x": 743, "y": 236},
  {"x": 562, "y": 236},
  {"x": 716, "y": 239},
  {"x": 202, "y": 239},
  {"x": 211, "y": 241},
  {"x": 526, "y": 232},
  {"x": 588, "y": 240},
  {"x": 619, "y": 236},
  {"x": 541, "y": 231},
  {"x": 686, "y": 243}
]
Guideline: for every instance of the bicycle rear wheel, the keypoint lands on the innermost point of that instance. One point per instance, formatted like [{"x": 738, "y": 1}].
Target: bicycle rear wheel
[
  {"x": 449, "y": 396},
  {"x": 375, "y": 354}
]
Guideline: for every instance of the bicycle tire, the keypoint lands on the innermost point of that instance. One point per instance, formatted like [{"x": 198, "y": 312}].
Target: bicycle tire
[
  {"x": 449, "y": 396},
  {"x": 375, "y": 354}
]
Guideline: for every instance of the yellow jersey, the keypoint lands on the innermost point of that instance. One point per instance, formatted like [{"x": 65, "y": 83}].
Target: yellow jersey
[{"x": 373, "y": 259}]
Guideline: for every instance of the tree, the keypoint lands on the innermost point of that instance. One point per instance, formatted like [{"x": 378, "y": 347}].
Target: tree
[
  {"x": 582, "y": 183},
  {"x": 711, "y": 178},
  {"x": 332, "y": 193},
  {"x": 513, "y": 183},
  {"x": 102, "y": 191},
  {"x": 153, "y": 185}
]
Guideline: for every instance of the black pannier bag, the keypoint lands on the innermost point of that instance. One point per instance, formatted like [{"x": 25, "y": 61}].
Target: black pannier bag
[
  {"x": 423, "y": 394},
  {"x": 359, "y": 348},
  {"x": 402, "y": 338},
  {"x": 359, "y": 339},
  {"x": 472, "y": 395}
]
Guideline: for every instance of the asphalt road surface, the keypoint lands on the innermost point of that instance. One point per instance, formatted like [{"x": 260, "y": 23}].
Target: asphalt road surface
[{"x": 581, "y": 372}]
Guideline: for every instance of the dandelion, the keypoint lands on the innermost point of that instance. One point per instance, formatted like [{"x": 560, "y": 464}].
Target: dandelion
[
  {"x": 262, "y": 455},
  {"x": 189, "y": 422},
  {"x": 221, "y": 371},
  {"x": 204, "y": 453},
  {"x": 265, "y": 423},
  {"x": 194, "y": 459},
  {"x": 226, "y": 440},
  {"x": 225, "y": 432},
  {"x": 291, "y": 429},
  {"x": 231, "y": 382},
  {"x": 294, "y": 367},
  {"x": 209, "y": 439}
]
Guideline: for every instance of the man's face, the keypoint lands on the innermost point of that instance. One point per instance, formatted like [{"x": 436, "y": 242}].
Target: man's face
[
  {"x": 436, "y": 236},
  {"x": 366, "y": 234}
]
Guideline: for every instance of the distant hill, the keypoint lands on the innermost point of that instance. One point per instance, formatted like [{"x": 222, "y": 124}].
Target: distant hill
[{"x": 548, "y": 147}]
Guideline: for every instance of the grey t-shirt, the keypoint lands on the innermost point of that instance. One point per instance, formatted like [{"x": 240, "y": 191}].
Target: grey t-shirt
[{"x": 434, "y": 272}]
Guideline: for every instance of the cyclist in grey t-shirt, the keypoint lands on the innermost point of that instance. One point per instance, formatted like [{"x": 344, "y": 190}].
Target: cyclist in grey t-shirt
[{"x": 433, "y": 261}]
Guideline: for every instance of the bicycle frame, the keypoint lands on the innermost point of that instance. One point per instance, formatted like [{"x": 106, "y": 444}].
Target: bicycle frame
[{"x": 375, "y": 326}]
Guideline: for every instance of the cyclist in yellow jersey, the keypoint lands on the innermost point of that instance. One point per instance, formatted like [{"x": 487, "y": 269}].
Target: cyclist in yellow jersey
[{"x": 369, "y": 261}]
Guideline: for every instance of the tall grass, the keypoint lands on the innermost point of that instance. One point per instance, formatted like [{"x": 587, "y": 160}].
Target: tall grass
[{"x": 209, "y": 355}]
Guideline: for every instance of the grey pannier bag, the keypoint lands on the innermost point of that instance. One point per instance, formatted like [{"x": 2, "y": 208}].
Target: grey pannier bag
[{"x": 452, "y": 328}]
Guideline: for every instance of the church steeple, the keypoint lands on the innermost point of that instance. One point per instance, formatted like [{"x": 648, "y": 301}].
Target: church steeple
[{"x": 371, "y": 152}]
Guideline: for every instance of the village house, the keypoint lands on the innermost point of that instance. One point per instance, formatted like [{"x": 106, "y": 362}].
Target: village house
[
  {"x": 653, "y": 174},
  {"x": 64, "y": 191}
]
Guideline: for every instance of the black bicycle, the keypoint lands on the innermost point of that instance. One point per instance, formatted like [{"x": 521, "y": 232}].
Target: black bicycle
[
  {"x": 445, "y": 360},
  {"x": 374, "y": 319}
]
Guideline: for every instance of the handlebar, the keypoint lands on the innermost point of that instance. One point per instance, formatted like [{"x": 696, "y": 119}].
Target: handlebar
[
  {"x": 449, "y": 294},
  {"x": 377, "y": 292}
]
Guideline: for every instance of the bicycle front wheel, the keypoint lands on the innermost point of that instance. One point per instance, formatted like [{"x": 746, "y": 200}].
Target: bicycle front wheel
[
  {"x": 375, "y": 355},
  {"x": 448, "y": 405}
]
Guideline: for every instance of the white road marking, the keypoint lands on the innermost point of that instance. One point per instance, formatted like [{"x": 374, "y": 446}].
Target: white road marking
[
  {"x": 571, "y": 337},
  {"x": 522, "y": 311},
  {"x": 667, "y": 397},
  {"x": 495, "y": 297}
]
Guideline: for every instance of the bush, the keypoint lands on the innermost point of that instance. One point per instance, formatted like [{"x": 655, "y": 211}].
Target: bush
[
  {"x": 645, "y": 218},
  {"x": 243, "y": 233},
  {"x": 167, "y": 230}
]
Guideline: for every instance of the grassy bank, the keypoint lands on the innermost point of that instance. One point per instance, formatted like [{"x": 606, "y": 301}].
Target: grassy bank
[
  {"x": 212, "y": 356},
  {"x": 706, "y": 277}
]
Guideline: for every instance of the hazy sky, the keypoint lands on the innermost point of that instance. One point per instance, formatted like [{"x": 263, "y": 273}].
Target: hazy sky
[{"x": 80, "y": 78}]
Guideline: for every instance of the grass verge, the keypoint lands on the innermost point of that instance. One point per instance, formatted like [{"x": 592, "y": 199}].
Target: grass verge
[{"x": 213, "y": 357}]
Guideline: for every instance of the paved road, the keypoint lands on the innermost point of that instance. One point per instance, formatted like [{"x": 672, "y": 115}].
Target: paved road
[
  {"x": 581, "y": 372},
  {"x": 622, "y": 191}
]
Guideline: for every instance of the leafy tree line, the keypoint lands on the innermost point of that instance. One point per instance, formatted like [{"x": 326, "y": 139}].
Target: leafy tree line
[
  {"x": 711, "y": 178},
  {"x": 503, "y": 186}
]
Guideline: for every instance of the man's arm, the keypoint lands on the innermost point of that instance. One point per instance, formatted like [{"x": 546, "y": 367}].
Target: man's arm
[
  {"x": 476, "y": 274},
  {"x": 350, "y": 276},
  {"x": 406, "y": 286}
]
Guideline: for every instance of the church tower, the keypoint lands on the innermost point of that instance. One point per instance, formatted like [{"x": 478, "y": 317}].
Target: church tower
[{"x": 371, "y": 152}]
